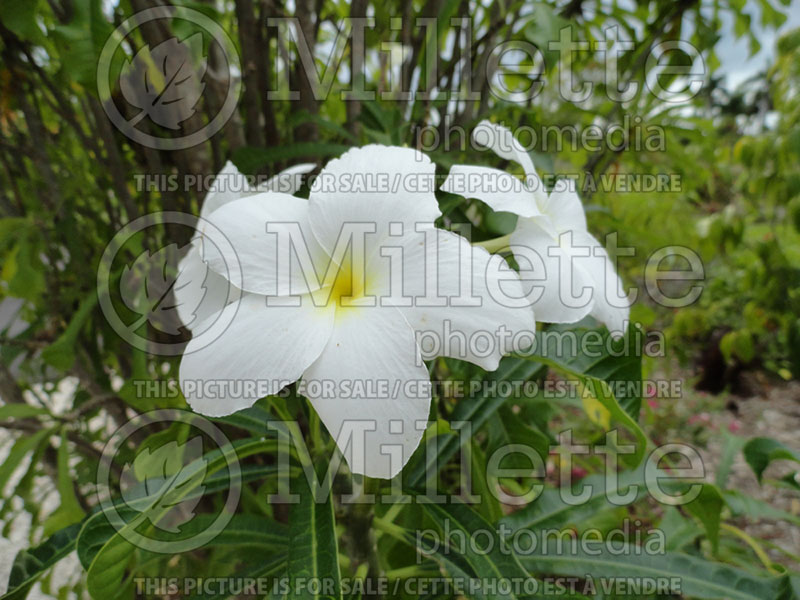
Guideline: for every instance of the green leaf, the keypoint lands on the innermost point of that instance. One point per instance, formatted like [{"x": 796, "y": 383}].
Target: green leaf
[
  {"x": 61, "y": 353},
  {"x": 95, "y": 532},
  {"x": 243, "y": 531},
  {"x": 81, "y": 41},
  {"x": 759, "y": 452},
  {"x": 20, "y": 18},
  {"x": 69, "y": 511},
  {"x": 698, "y": 578},
  {"x": 733, "y": 444},
  {"x": 543, "y": 28},
  {"x": 253, "y": 419},
  {"x": 20, "y": 411},
  {"x": 489, "y": 560},
  {"x": 313, "y": 552},
  {"x": 251, "y": 160},
  {"x": 507, "y": 428},
  {"x": 105, "y": 553},
  {"x": 20, "y": 449},
  {"x": 30, "y": 564},
  {"x": 617, "y": 362},
  {"x": 597, "y": 374},
  {"x": 738, "y": 344},
  {"x": 743, "y": 505},
  {"x": 550, "y": 511},
  {"x": 708, "y": 507},
  {"x": 489, "y": 506},
  {"x": 271, "y": 567},
  {"x": 476, "y": 409},
  {"x": 27, "y": 278}
]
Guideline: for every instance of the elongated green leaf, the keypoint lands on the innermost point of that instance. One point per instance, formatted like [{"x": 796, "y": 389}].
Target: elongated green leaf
[
  {"x": 270, "y": 566},
  {"x": 242, "y": 531},
  {"x": 20, "y": 411},
  {"x": 30, "y": 564},
  {"x": 599, "y": 375},
  {"x": 759, "y": 452},
  {"x": 695, "y": 577},
  {"x": 250, "y": 159},
  {"x": 551, "y": 511},
  {"x": 731, "y": 448},
  {"x": 507, "y": 428},
  {"x": 253, "y": 419},
  {"x": 20, "y": 449},
  {"x": 476, "y": 410},
  {"x": 105, "y": 553},
  {"x": 69, "y": 511},
  {"x": 744, "y": 505},
  {"x": 61, "y": 353},
  {"x": 314, "y": 551},
  {"x": 489, "y": 506},
  {"x": 489, "y": 561},
  {"x": 594, "y": 353},
  {"x": 708, "y": 507}
]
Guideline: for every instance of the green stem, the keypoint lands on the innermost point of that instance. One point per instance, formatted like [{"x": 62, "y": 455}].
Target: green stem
[
  {"x": 393, "y": 530},
  {"x": 412, "y": 571},
  {"x": 495, "y": 245},
  {"x": 754, "y": 545},
  {"x": 392, "y": 513}
]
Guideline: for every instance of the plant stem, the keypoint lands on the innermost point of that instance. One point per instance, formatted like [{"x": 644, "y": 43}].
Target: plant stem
[
  {"x": 359, "y": 540},
  {"x": 390, "y": 528},
  {"x": 412, "y": 571},
  {"x": 754, "y": 545}
]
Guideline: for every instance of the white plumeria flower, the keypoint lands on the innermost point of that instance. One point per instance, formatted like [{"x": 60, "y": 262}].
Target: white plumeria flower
[
  {"x": 579, "y": 277},
  {"x": 347, "y": 327},
  {"x": 199, "y": 291}
]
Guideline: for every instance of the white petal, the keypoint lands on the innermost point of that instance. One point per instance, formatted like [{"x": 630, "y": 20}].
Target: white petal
[
  {"x": 261, "y": 260},
  {"x": 287, "y": 181},
  {"x": 263, "y": 349},
  {"x": 199, "y": 291},
  {"x": 229, "y": 185},
  {"x": 459, "y": 299},
  {"x": 564, "y": 208},
  {"x": 375, "y": 184},
  {"x": 611, "y": 305},
  {"x": 371, "y": 347},
  {"x": 560, "y": 287},
  {"x": 501, "y": 141},
  {"x": 500, "y": 190}
]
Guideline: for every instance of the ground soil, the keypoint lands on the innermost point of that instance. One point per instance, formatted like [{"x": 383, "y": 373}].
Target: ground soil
[{"x": 774, "y": 413}]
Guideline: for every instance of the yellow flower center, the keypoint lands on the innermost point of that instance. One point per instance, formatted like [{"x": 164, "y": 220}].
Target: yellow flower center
[{"x": 342, "y": 286}]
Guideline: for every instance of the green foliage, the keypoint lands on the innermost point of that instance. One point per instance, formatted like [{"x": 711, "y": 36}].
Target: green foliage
[
  {"x": 759, "y": 452},
  {"x": 698, "y": 578},
  {"x": 313, "y": 553},
  {"x": 32, "y": 563}
]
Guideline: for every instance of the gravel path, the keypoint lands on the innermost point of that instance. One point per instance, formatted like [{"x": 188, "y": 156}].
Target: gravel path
[{"x": 774, "y": 414}]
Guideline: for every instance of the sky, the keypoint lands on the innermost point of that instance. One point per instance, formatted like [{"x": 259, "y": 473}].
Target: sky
[{"x": 736, "y": 64}]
